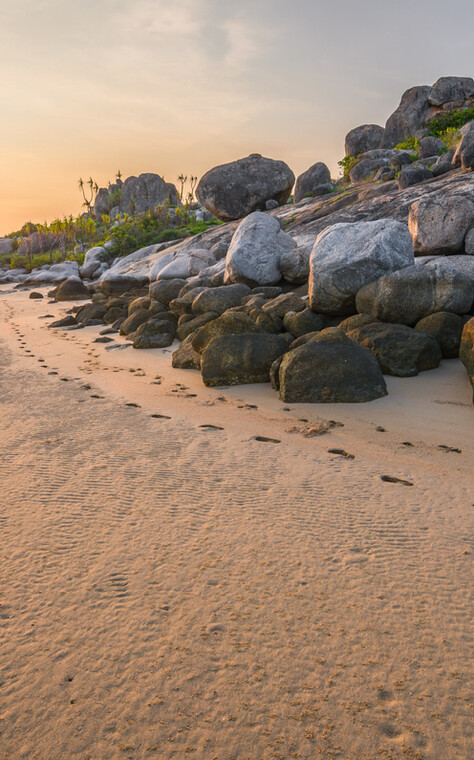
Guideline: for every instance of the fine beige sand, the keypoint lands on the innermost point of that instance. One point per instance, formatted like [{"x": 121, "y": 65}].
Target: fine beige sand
[{"x": 169, "y": 590}]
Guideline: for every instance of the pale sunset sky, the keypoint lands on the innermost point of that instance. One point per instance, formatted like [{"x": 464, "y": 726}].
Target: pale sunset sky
[{"x": 92, "y": 86}]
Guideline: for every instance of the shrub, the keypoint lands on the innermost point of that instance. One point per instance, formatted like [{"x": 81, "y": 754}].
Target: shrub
[
  {"x": 453, "y": 120},
  {"x": 411, "y": 143},
  {"x": 347, "y": 163}
]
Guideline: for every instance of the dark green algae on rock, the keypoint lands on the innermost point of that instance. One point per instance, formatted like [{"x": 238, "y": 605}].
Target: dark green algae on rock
[
  {"x": 241, "y": 359},
  {"x": 330, "y": 368}
]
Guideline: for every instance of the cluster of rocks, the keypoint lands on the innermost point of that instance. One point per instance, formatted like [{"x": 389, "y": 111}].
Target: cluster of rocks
[
  {"x": 135, "y": 195},
  {"x": 322, "y": 298},
  {"x": 369, "y": 309}
]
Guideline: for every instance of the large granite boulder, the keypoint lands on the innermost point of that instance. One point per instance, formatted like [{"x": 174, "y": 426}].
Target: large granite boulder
[
  {"x": 233, "y": 190},
  {"x": 466, "y": 350},
  {"x": 330, "y": 368},
  {"x": 363, "y": 138},
  {"x": 399, "y": 350},
  {"x": 6, "y": 245},
  {"x": 408, "y": 117},
  {"x": 406, "y": 296},
  {"x": 314, "y": 181},
  {"x": 446, "y": 328},
  {"x": 451, "y": 92},
  {"x": 118, "y": 284},
  {"x": 439, "y": 222},
  {"x": 254, "y": 254},
  {"x": 72, "y": 289},
  {"x": 347, "y": 256},
  {"x": 240, "y": 359}
]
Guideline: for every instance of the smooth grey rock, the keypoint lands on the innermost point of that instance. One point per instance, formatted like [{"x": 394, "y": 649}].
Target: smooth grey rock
[
  {"x": 329, "y": 368},
  {"x": 294, "y": 264},
  {"x": 233, "y": 190},
  {"x": 363, "y": 138},
  {"x": 92, "y": 260},
  {"x": 406, "y": 296},
  {"x": 146, "y": 191},
  {"x": 178, "y": 268},
  {"x": 200, "y": 259},
  {"x": 254, "y": 254},
  {"x": 347, "y": 256},
  {"x": 439, "y": 223},
  {"x": 316, "y": 176}
]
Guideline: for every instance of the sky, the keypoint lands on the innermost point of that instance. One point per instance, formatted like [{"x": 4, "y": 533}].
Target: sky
[{"x": 88, "y": 87}]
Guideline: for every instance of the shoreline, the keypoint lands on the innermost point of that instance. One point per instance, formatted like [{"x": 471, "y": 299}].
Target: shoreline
[{"x": 172, "y": 590}]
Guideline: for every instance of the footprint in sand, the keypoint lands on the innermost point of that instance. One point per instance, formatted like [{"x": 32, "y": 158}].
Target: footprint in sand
[
  {"x": 131, "y": 403},
  {"x": 264, "y": 439},
  {"x": 160, "y": 416},
  {"x": 211, "y": 427},
  {"x": 392, "y": 479},
  {"x": 341, "y": 453},
  {"x": 448, "y": 449}
]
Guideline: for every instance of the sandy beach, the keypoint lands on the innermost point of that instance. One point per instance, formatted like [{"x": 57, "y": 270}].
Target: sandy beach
[{"x": 171, "y": 586}]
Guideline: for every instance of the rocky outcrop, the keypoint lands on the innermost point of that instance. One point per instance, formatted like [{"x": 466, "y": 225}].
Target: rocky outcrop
[
  {"x": 363, "y": 138},
  {"x": 420, "y": 105},
  {"x": 135, "y": 195},
  {"x": 347, "y": 256},
  {"x": 255, "y": 250},
  {"x": 233, "y": 190},
  {"x": 314, "y": 181},
  {"x": 330, "y": 368}
]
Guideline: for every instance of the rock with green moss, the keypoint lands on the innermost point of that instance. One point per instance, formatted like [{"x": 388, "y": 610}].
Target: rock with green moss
[
  {"x": 229, "y": 323},
  {"x": 330, "y": 368},
  {"x": 446, "y": 328},
  {"x": 400, "y": 350},
  {"x": 241, "y": 359}
]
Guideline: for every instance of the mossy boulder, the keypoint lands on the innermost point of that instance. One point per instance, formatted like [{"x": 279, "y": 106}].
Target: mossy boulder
[
  {"x": 330, "y": 368},
  {"x": 241, "y": 359},
  {"x": 400, "y": 350}
]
